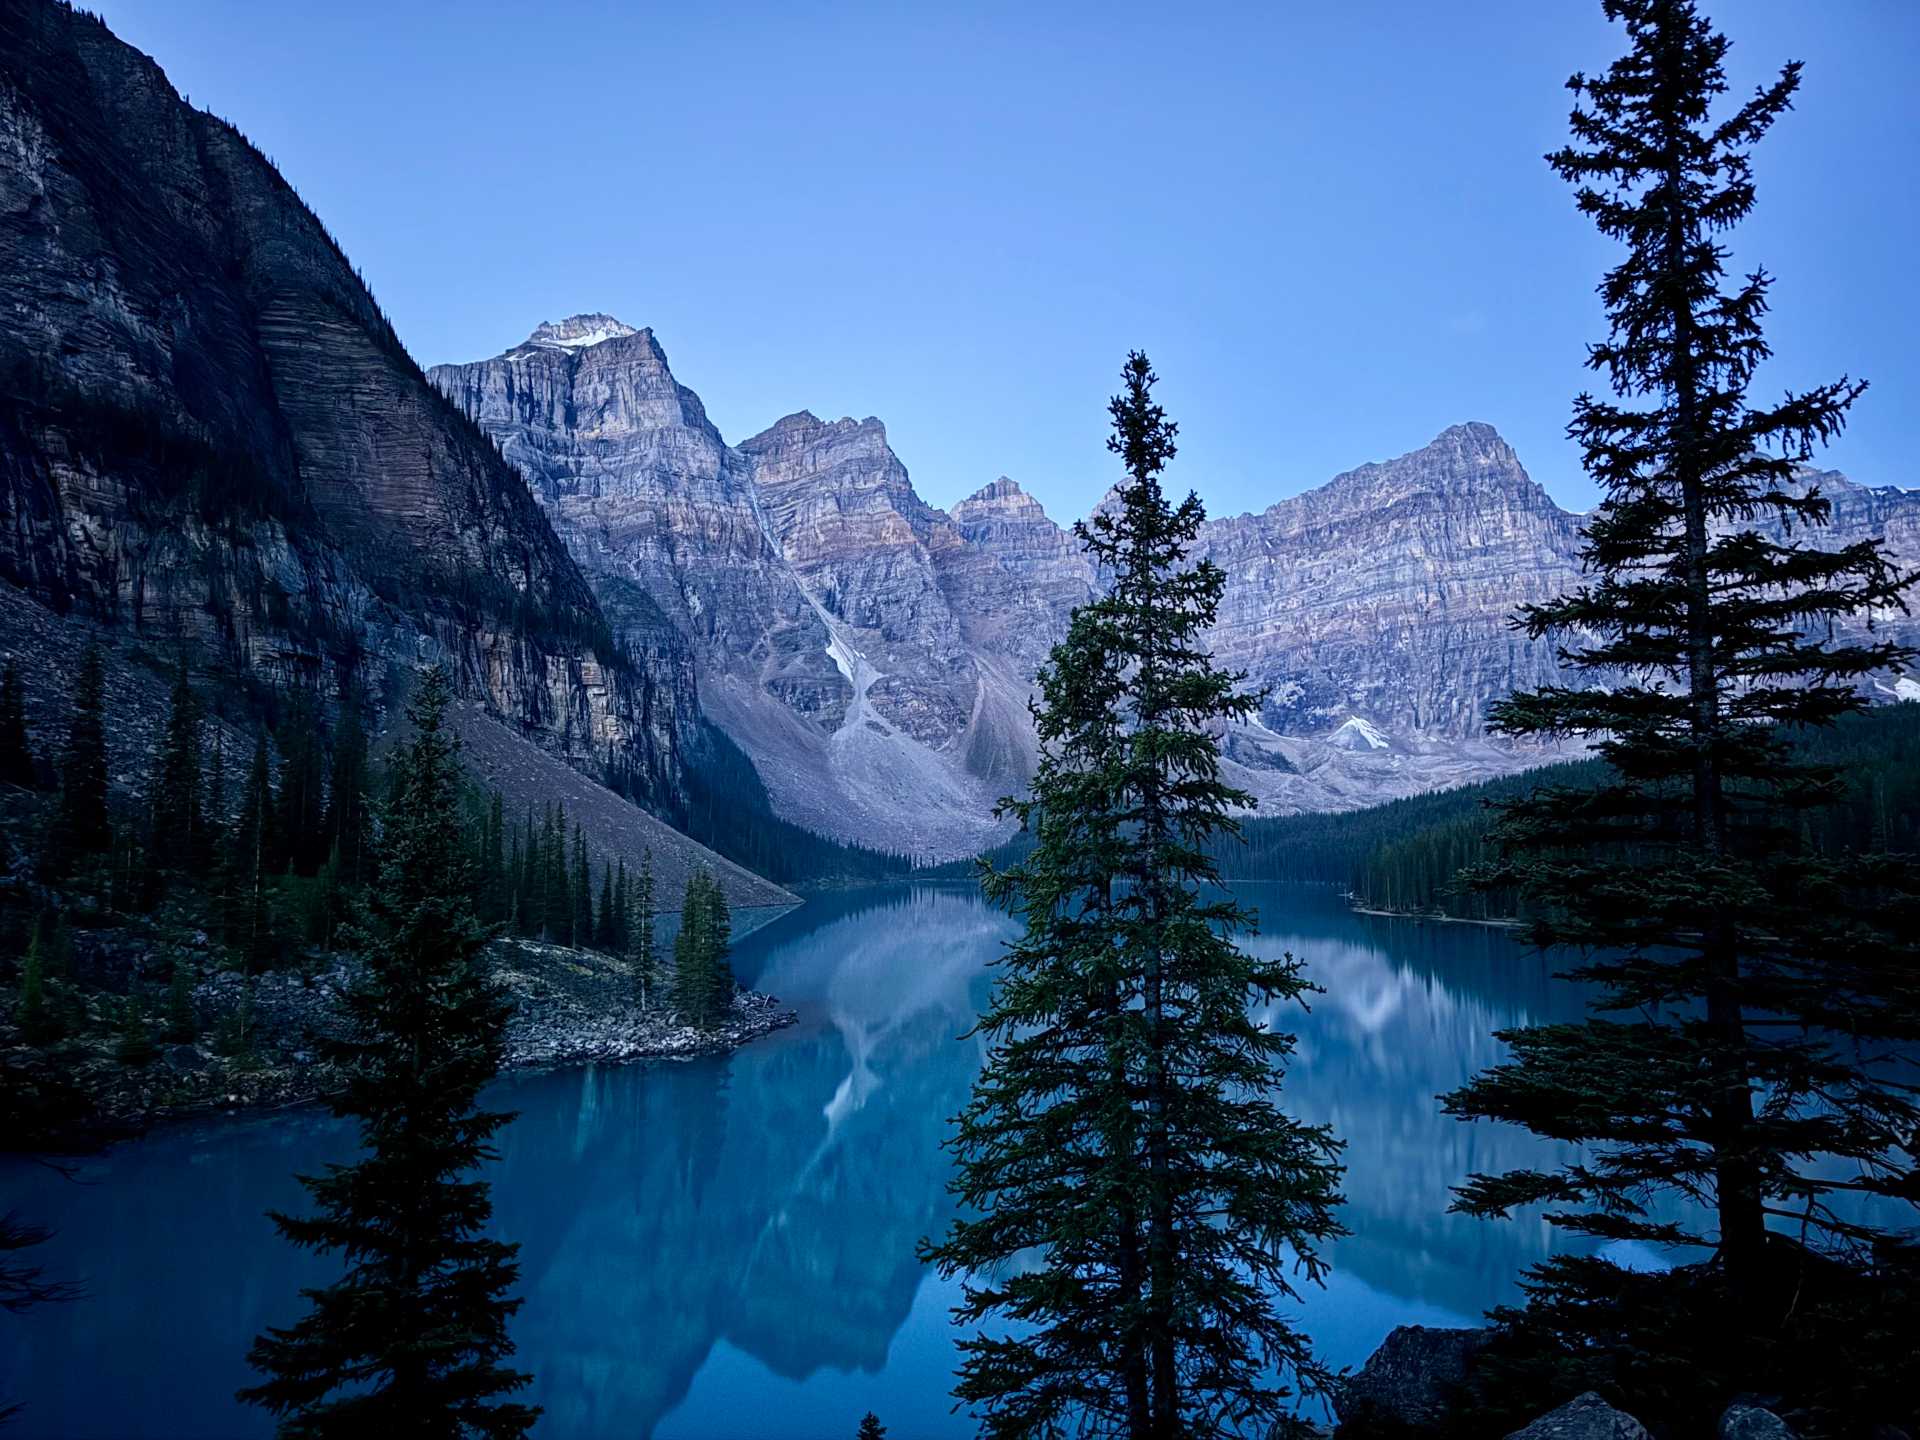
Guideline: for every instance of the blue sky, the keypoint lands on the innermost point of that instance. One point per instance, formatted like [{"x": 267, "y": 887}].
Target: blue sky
[{"x": 1327, "y": 223}]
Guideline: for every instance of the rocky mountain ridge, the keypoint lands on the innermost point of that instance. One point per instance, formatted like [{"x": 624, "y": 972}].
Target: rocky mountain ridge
[
  {"x": 214, "y": 450},
  {"x": 874, "y": 654}
]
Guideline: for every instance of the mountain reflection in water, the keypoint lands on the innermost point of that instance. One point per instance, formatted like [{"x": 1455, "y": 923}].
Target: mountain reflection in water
[{"x": 726, "y": 1247}]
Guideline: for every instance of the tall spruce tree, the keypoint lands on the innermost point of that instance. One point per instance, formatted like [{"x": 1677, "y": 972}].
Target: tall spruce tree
[
  {"x": 533, "y": 882},
  {"x": 703, "y": 983},
  {"x": 249, "y": 921},
  {"x": 1123, "y": 1131},
  {"x": 717, "y": 925},
  {"x": 346, "y": 823},
  {"x": 38, "y": 1021},
  {"x": 299, "y": 827},
  {"x": 411, "y": 1339},
  {"x": 178, "y": 840},
  {"x": 605, "y": 921},
  {"x": 16, "y": 749},
  {"x": 1736, "y": 1073},
  {"x": 581, "y": 890},
  {"x": 618, "y": 938},
  {"x": 640, "y": 932},
  {"x": 82, "y": 826}
]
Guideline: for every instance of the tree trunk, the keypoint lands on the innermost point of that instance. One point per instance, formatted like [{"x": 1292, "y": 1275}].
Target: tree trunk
[{"x": 1736, "y": 1181}]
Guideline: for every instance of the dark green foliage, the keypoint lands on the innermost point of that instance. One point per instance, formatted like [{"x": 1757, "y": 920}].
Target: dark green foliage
[
  {"x": 605, "y": 925},
  {"x": 16, "y": 750},
  {"x": 183, "y": 1025},
  {"x": 870, "y": 1428},
  {"x": 620, "y": 921},
  {"x": 640, "y": 935},
  {"x": 249, "y": 922},
  {"x": 1133, "y": 1200},
  {"x": 1756, "y": 1002},
  {"x": 38, "y": 1021},
  {"x": 348, "y": 825},
  {"x": 82, "y": 826},
  {"x": 702, "y": 977},
  {"x": 233, "y": 1034},
  {"x": 412, "y": 1338},
  {"x": 496, "y": 882},
  {"x": 299, "y": 840},
  {"x": 136, "y": 1041},
  {"x": 728, "y": 811},
  {"x": 1655, "y": 1343},
  {"x": 581, "y": 890},
  {"x": 179, "y": 840},
  {"x": 531, "y": 889}
]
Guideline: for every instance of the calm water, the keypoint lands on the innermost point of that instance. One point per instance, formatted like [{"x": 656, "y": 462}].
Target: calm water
[{"x": 725, "y": 1248}]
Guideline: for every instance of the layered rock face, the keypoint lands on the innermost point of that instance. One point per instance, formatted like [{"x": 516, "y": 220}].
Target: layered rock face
[
  {"x": 842, "y": 630},
  {"x": 210, "y": 435},
  {"x": 874, "y": 655}
]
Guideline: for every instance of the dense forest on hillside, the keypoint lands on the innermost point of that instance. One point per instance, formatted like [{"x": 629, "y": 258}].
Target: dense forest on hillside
[
  {"x": 1406, "y": 855},
  {"x": 728, "y": 810}
]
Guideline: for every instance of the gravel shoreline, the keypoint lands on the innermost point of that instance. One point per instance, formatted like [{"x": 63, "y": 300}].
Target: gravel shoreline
[{"x": 570, "y": 1007}]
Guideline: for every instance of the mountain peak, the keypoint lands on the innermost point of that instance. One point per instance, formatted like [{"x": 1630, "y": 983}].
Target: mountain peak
[{"x": 578, "y": 332}]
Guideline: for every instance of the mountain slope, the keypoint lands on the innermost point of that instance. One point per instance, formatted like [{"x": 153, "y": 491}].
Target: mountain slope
[
  {"x": 874, "y": 654},
  {"x": 210, "y": 435}
]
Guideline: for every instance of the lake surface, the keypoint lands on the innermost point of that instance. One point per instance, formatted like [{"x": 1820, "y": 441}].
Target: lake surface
[{"x": 725, "y": 1248}]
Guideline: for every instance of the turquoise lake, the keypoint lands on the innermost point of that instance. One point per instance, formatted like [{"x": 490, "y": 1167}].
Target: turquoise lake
[{"x": 725, "y": 1248}]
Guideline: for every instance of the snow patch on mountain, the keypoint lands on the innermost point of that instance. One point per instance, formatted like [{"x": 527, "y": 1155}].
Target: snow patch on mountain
[
  {"x": 1358, "y": 734},
  {"x": 579, "y": 332}
]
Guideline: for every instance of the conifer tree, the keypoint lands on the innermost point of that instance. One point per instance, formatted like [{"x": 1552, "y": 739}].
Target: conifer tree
[
  {"x": 16, "y": 750},
  {"x": 411, "y": 1339},
  {"x": 604, "y": 924},
  {"x": 692, "y": 979},
  {"x": 82, "y": 827},
  {"x": 136, "y": 1042},
  {"x": 640, "y": 932},
  {"x": 346, "y": 823},
  {"x": 214, "y": 812},
  {"x": 299, "y": 811},
  {"x": 702, "y": 977},
  {"x": 250, "y": 911},
  {"x": 38, "y": 1023},
  {"x": 533, "y": 883},
  {"x": 1123, "y": 1138},
  {"x": 183, "y": 1025},
  {"x": 622, "y": 910},
  {"x": 870, "y": 1428},
  {"x": 497, "y": 891},
  {"x": 178, "y": 823},
  {"x": 717, "y": 925},
  {"x": 1749, "y": 991},
  {"x": 558, "y": 904},
  {"x": 581, "y": 890}
]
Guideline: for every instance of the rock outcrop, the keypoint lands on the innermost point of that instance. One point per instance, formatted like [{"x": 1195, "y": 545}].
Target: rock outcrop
[
  {"x": 1752, "y": 1422},
  {"x": 1408, "y": 1383},
  {"x": 874, "y": 654},
  {"x": 1585, "y": 1417},
  {"x": 212, "y": 440}
]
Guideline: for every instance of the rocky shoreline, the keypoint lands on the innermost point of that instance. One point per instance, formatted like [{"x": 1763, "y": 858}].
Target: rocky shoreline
[
  {"x": 260, "y": 1043},
  {"x": 1416, "y": 1384}
]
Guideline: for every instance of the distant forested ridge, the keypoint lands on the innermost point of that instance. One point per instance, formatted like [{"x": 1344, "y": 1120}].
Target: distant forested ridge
[{"x": 1406, "y": 855}]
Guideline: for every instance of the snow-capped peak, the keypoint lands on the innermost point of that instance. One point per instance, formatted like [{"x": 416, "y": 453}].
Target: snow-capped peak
[
  {"x": 578, "y": 332},
  {"x": 1357, "y": 734}
]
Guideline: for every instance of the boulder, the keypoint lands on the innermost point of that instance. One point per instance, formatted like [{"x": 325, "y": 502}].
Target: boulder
[
  {"x": 1750, "y": 1422},
  {"x": 1405, "y": 1384},
  {"x": 1585, "y": 1417}
]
